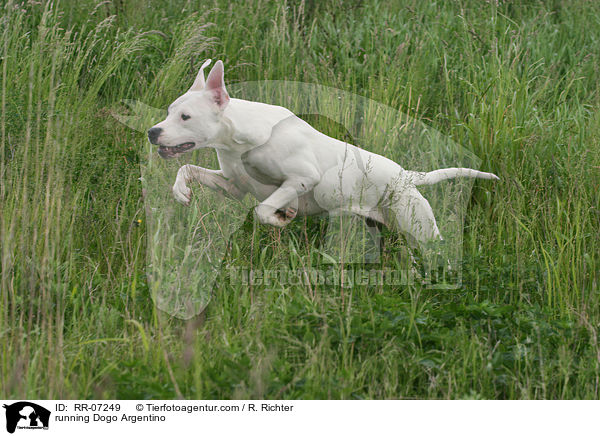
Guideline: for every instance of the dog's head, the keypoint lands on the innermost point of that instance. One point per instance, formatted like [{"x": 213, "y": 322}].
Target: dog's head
[{"x": 194, "y": 120}]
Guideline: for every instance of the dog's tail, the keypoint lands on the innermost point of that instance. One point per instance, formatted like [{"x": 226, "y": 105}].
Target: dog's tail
[{"x": 432, "y": 177}]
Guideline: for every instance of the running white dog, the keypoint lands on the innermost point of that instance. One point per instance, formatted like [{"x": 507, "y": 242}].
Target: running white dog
[{"x": 291, "y": 168}]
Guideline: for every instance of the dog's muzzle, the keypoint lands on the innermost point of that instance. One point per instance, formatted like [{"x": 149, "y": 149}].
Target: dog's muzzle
[
  {"x": 169, "y": 152},
  {"x": 153, "y": 135}
]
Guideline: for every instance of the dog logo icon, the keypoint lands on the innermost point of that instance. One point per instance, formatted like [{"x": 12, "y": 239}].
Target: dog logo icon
[{"x": 26, "y": 415}]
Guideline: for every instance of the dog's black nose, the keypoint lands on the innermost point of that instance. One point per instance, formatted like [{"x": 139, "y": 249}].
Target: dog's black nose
[{"x": 153, "y": 134}]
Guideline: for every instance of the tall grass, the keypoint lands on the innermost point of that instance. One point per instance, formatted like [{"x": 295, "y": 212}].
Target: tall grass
[{"x": 515, "y": 84}]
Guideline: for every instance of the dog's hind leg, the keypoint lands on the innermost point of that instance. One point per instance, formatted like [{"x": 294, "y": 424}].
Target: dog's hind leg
[
  {"x": 212, "y": 178},
  {"x": 411, "y": 213}
]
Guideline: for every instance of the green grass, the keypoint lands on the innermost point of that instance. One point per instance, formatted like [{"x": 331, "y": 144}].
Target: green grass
[{"x": 516, "y": 84}]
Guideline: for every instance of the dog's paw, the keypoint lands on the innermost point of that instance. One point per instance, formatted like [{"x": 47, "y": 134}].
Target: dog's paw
[
  {"x": 274, "y": 217},
  {"x": 287, "y": 214},
  {"x": 182, "y": 193}
]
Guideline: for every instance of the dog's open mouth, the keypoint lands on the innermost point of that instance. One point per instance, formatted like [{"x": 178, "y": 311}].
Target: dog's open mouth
[{"x": 168, "y": 152}]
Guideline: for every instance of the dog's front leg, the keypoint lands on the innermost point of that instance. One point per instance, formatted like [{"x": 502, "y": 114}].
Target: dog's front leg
[
  {"x": 280, "y": 208},
  {"x": 212, "y": 178}
]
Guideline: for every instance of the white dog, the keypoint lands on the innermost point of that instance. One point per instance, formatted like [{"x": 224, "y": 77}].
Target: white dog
[{"x": 288, "y": 166}]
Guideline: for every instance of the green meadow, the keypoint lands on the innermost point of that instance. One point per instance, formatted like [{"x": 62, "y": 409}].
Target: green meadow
[{"x": 516, "y": 84}]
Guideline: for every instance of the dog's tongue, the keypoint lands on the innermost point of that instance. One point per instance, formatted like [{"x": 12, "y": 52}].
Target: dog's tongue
[{"x": 165, "y": 152}]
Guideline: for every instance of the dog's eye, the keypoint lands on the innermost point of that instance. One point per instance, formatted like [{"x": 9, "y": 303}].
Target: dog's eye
[{"x": 185, "y": 117}]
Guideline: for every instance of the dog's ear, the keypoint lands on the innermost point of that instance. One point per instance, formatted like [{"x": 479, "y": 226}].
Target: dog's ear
[
  {"x": 215, "y": 85},
  {"x": 200, "y": 83}
]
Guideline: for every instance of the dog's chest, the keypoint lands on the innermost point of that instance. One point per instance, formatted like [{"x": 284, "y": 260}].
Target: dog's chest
[{"x": 233, "y": 169}]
